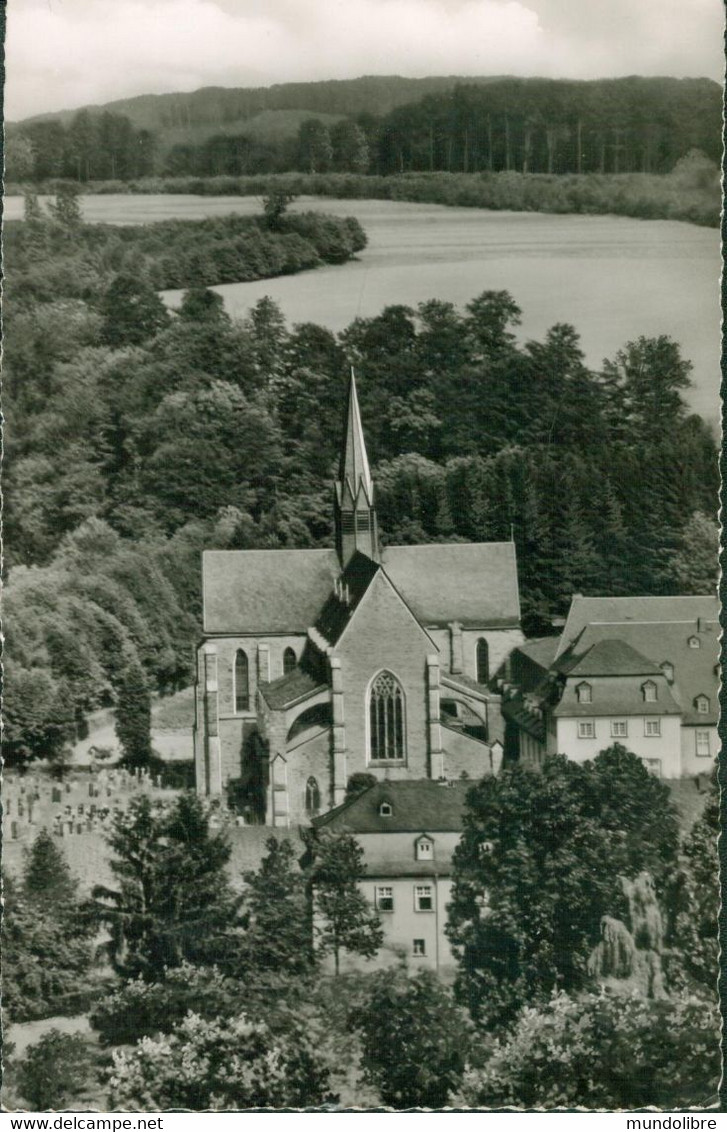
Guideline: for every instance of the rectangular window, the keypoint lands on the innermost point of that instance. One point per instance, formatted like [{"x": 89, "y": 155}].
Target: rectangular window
[
  {"x": 586, "y": 729},
  {"x": 702, "y": 743},
  {"x": 619, "y": 728},
  {"x": 652, "y": 727},
  {"x": 423, "y": 898},
  {"x": 385, "y": 898},
  {"x": 418, "y": 947},
  {"x": 653, "y": 766}
]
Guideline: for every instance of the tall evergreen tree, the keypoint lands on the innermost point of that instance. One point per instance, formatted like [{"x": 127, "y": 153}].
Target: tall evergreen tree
[
  {"x": 47, "y": 879},
  {"x": 133, "y": 716},
  {"x": 173, "y": 902},
  {"x": 276, "y": 912},
  {"x": 343, "y": 919}
]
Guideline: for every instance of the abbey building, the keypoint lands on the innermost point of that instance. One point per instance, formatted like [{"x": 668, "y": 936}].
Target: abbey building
[{"x": 319, "y": 664}]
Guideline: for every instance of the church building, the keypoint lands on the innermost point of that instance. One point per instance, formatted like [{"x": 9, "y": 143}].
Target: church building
[{"x": 319, "y": 664}]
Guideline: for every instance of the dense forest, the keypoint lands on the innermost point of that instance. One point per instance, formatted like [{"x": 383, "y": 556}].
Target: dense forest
[
  {"x": 380, "y": 126},
  {"x": 135, "y": 438}
]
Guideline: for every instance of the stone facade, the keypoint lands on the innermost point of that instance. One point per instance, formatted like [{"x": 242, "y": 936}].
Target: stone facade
[{"x": 432, "y": 626}]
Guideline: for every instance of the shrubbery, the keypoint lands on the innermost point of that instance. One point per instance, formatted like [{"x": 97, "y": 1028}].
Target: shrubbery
[
  {"x": 219, "y": 1065},
  {"x": 643, "y": 195},
  {"x": 603, "y": 1051}
]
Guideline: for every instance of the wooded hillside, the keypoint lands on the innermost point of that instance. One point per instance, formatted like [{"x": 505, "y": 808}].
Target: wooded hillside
[{"x": 135, "y": 439}]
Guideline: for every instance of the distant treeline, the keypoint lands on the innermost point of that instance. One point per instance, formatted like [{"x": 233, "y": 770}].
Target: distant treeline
[
  {"x": 626, "y": 125},
  {"x": 520, "y": 125},
  {"x": 691, "y": 192},
  {"x": 135, "y": 438},
  {"x": 92, "y": 147}
]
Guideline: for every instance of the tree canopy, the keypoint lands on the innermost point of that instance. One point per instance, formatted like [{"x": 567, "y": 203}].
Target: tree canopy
[{"x": 539, "y": 865}]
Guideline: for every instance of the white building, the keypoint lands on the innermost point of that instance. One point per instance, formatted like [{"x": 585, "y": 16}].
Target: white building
[{"x": 640, "y": 671}]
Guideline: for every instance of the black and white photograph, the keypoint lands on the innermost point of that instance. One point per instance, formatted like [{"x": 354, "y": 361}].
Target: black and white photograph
[{"x": 361, "y": 398}]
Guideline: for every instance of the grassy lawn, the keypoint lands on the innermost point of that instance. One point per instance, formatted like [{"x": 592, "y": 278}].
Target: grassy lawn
[{"x": 174, "y": 713}]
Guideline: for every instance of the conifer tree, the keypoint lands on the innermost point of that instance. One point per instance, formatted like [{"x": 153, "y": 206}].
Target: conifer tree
[
  {"x": 277, "y": 913},
  {"x": 343, "y": 919},
  {"x": 173, "y": 901},
  {"x": 133, "y": 716},
  {"x": 47, "y": 879}
]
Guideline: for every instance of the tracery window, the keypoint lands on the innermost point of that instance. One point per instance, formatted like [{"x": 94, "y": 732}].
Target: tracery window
[
  {"x": 386, "y": 719},
  {"x": 242, "y": 682}
]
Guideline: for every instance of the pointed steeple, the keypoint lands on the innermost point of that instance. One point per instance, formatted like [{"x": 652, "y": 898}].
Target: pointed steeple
[
  {"x": 354, "y": 504},
  {"x": 354, "y": 466}
]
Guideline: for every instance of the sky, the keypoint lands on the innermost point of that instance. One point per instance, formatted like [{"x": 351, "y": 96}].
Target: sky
[{"x": 61, "y": 54}]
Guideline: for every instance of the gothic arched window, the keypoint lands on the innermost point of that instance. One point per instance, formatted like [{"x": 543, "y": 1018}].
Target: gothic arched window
[
  {"x": 242, "y": 682},
  {"x": 312, "y": 797},
  {"x": 386, "y": 719},
  {"x": 483, "y": 661},
  {"x": 289, "y": 661}
]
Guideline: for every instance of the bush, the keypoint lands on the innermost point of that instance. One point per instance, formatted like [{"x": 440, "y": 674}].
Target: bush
[
  {"x": 604, "y": 1051},
  {"x": 414, "y": 1039},
  {"x": 53, "y": 1069},
  {"x": 219, "y": 1065}
]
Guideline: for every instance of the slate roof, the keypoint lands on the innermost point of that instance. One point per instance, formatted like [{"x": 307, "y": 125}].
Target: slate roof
[
  {"x": 418, "y": 805},
  {"x": 474, "y": 583},
  {"x": 290, "y": 688},
  {"x": 694, "y": 669},
  {"x": 608, "y": 657},
  {"x": 265, "y": 591},
  {"x": 612, "y": 611},
  {"x": 541, "y": 650},
  {"x": 337, "y": 612},
  {"x": 617, "y": 696}
]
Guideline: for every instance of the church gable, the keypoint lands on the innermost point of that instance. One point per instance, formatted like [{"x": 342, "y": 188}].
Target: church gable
[{"x": 383, "y": 654}]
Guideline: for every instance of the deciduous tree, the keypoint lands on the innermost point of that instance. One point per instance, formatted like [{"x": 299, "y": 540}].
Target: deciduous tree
[
  {"x": 539, "y": 865},
  {"x": 414, "y": 1039}
]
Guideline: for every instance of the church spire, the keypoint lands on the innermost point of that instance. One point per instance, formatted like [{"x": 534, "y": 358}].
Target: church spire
[
  {"x": 354, "y": 505},
  {"x": 354, "y": 465}
]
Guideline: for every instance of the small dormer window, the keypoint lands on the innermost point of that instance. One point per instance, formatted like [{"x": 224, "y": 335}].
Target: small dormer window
[
  {"x": 385, "y": 810},
  {"x": 424, "y": 849},
  {"x": 649, "y": 691},
  {"x": 702, "y": 704},
  {"x": 668, "y": 669},
  {"x": 584, "y": 693},
  {"x": 694, "y": 643}
]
